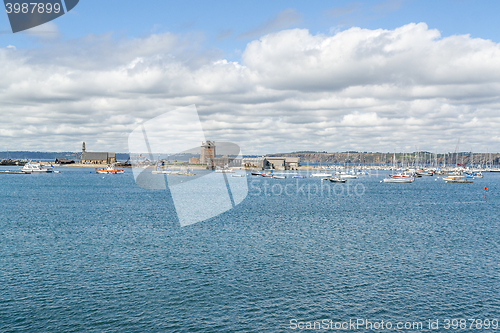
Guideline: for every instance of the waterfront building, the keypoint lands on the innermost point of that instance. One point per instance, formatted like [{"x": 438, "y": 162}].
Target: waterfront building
[
  {"x": 194, "y": 160},
  {"x": 281, "y": 163},
  {"x": 274, "y": 163},
  {"x": 97, "y": 157}
]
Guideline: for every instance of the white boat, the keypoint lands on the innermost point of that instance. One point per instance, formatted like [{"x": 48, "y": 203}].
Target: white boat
[
  {"x": 224, "y": 171},
  {"x": 279, "y": 177},
  {"x": 424, "y": 173},
  {"x": 238, "y": 175},
  {"x": 9, "y": 172},
  {"x": 36, "y": 168},
  {"x": 347, "y": 176},
  {"x": 338, "y": 180},
  {"x": 402, "y": 175},
  {"x": 324, "y": 175},
  {"x": 399, "y": 180},
  {"x": 458, "y": 179},
  {"x": 184, "y": 171},
  {"x": 164, "y": 172}
]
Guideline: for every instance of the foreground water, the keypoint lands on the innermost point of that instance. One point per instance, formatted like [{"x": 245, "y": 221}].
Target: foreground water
[{"x": 86, "y": 252}]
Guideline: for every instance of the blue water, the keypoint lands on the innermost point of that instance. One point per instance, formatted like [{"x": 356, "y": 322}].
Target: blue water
[{"x": 86, "y": 252}]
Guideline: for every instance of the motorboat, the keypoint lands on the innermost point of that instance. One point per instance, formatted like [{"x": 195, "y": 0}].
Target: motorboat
[
  {"x": 266, "y": 174},
  {"x": 165, "y": 172},
  {"x": 399, "y": 180},
  {"x": 321, "y": 174},
  {"x": 256, "y": 173},
  {"x": 348, "y": 176},
  {"x": 421, "y": 173},
  {"x": 36, "y": 168},
  {"x": 279, "y": 177},
  {"x": 338, "y": 180},
  {"x": 224, "y": 171},
  {"x": 458, "y": 179},
  {"x": 299, "y": 177},
  {"x": 401, "y": 175},
  {"x": 474, "y": 174},
  {"x": 110, "y": 169},
  {"x": 238, "y": 175},
  {"x": 10, "y": 172}
]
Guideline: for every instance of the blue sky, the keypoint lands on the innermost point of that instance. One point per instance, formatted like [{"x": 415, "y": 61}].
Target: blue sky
[
  {"x": 225, "y": 24},
  {"x": 268, "y": 75}
]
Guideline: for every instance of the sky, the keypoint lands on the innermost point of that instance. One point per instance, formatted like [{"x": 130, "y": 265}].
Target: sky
[{"x": 270, "y": 76}]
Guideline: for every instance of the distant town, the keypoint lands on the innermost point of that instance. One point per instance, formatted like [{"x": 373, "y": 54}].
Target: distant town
[{"x": 212, "y": 158}]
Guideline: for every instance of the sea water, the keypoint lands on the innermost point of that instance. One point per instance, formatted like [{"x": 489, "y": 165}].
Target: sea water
[{"x": 96, "y": 253}]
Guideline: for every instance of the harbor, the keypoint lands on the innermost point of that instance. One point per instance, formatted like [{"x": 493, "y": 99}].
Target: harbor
[{"x": 101, "y": 234}]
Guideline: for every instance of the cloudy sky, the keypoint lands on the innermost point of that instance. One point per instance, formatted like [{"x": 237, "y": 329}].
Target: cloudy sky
[{"x": 271, "y": 76}]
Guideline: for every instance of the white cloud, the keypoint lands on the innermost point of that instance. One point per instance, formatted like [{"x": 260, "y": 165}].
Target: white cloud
[
  {"x": 358, "y": 89},
  {"x": 46, "y": 31}
]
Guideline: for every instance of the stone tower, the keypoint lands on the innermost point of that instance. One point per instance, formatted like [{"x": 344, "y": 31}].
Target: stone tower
[
  {"x": 83, "y": 147},
  {"x": 207, "y": 152}
]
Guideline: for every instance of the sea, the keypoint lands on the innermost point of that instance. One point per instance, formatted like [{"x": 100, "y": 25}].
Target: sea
[{"x": 84, "y": 252}]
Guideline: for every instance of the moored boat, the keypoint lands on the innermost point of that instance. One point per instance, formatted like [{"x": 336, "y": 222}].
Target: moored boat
[
  {"x": 324, "y": 175},
  {"x": 338, "y": 180},
  {"x": 224, "y": 171},
  {"x": 36, "y": 168},
  {"x": 164, "y": 172},
  {"x": 10, "y": 172},
  {"x": 399, "y": 180},
  {"x": 110, "y": 169},
  {"x": 347, "y": 176},
  {"x": 427, "y": 173},
  {"x": 458, "y": 179}
]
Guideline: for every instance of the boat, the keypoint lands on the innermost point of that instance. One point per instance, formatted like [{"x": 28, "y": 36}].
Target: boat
[
  {"x": 399, "y": 180},
  {"x": 36, "y": 168},
  {"x": 266, "y": 175},
  {"x": 10, "y": 172},
  {"x": 427, "y": 173},
  {"x": 347, "y": 176},
  {"x": 256, "y": 173},
  {"x": 184, "y": 171},
  {"x": 159, "y": 171},
  {"x": 458, "y": 179},
  {"x": 402, "y": 175},
  {"x": 110, "y": 169},
  {"x": 299, "y": 177},
  {"x": 474, "y": 174},
  {"x": 279, "y": 177},
  {"x": 164, "y": 172},
  {"x": 238, "y": 175},
  {"x": 224, "y": 171},
  {"x": 324, "y": 175},
  {"x": 338, "y": 180}
]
